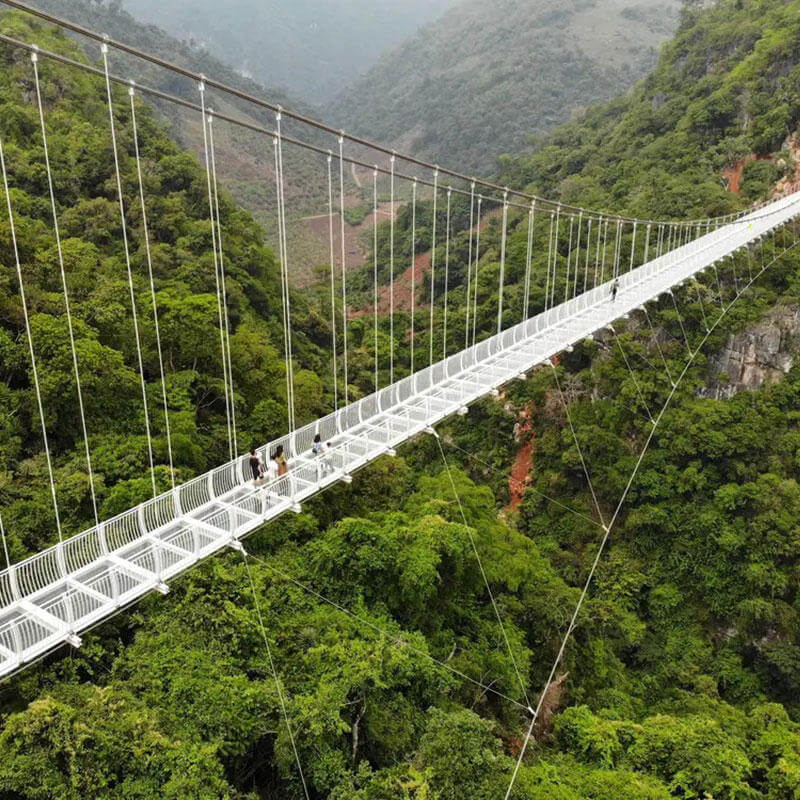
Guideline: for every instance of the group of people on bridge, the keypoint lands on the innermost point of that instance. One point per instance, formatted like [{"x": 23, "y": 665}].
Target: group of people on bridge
[{"x": 278, "y": 463}]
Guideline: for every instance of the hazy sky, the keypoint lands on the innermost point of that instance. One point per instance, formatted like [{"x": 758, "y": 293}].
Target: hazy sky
[{"x": 312, "y": 47}]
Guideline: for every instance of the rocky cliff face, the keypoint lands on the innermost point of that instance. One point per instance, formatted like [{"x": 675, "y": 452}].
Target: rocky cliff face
[{"x": 759, "y": 355}]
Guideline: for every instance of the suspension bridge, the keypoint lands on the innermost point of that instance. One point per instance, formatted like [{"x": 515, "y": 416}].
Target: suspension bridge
[{"x": 51, "y": 598}]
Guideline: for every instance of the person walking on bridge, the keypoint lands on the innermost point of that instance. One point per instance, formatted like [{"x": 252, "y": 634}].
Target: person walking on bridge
[
  {"x": 280, "y": 459},
  {"x": 614, "y": 289},
  {"x": 256, "y": 467}
]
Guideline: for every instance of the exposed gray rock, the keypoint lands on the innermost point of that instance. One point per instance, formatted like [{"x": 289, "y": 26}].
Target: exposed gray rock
[{"x": 757, "y": 356}]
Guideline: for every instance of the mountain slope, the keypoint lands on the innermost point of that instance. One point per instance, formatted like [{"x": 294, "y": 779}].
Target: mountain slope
[
  {"x": 244, "y": 158},
  {"x": 486, "y": 76},
  {"x": 76, "y": 115},
  {"x": 311, "y": 47},
  {"x": 726, "y": 90}
]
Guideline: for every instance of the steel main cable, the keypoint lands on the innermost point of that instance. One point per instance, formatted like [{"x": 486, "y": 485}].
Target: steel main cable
[
  {"x": 144, "y": 89},
  {"x": 179, "y": 101}
]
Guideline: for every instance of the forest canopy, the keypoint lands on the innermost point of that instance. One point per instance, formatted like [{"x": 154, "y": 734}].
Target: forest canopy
[{"x": 365, "y": 622}]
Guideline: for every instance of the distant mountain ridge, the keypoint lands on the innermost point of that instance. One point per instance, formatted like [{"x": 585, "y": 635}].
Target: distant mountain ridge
[{"x": 487, "y": 76}]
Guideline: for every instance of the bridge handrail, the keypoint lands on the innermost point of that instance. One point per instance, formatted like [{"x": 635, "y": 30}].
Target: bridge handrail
[{"x": 52, "y": 565}]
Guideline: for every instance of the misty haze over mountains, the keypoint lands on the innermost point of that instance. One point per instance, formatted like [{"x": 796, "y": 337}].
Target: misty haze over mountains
[
  {"x": 313, "y": 48},
  {"x": 455, "y": 81}
]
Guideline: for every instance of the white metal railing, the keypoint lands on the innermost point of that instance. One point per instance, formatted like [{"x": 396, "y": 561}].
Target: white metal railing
[{"x": 47, "y": 598}]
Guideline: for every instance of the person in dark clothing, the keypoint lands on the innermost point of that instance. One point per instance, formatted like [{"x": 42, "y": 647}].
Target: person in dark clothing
[
  {"x": 614, "y": 289},
  {"x": 256, "y": 467}
]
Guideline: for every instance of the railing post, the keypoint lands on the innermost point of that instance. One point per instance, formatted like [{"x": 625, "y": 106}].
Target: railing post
[
  {"x": 141, "y": 520},
  {"x": 264, "y": 496},
  {"x": 210, "y": 481},
  {"x": 12, "y": 582},
  {"x": 60, "y": 559},
  {"x": 17, "y": 640},
  {"x": 195, "y": 541},
  {"x": 114, "y": 581},
  {"x": 101, "y": 537}
]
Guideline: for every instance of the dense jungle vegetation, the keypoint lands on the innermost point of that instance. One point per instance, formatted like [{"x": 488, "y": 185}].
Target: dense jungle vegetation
[
  {"x": 725, "y": 87},
  {"x": 80, "y": 146},
  {"x": 682, "y": 679}
]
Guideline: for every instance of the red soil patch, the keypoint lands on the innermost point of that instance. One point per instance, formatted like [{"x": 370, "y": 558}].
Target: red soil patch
[
  {"x": 520, "y": 475},
  {"x": 402, "y": 285},
  {"x": 733, "y": 175},
  {"x": 402, "y": 289},
  {"x": 786, "y": 186}
]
